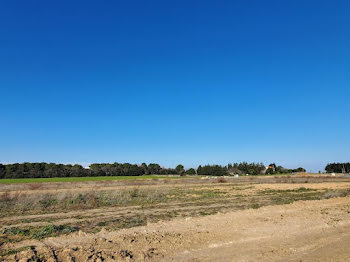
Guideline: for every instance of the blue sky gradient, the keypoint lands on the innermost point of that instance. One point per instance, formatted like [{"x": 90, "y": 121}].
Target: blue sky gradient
[{"x": 191, "y": 82}]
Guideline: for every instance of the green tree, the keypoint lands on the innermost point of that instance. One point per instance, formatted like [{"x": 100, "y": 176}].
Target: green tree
[
  {"x": 144, "y": 168},
  {"x": 191, "y": 171},
  {"x": 2, "y": 171},
  {"x": 180, "y": 169},
  {"x": 214, "y": 170},
  {"x": 199, "y": 170},
  {"x": 154, "y": 168}
]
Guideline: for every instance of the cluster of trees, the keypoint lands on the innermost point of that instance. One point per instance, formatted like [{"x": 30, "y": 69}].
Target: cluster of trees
[
  {"x": 286, "y": 170},
  {"x": 126, "y": 169},
  {"x": 230, "y": 169},
  {"x": 214, "y": 170},
  {"x": 338, "y": 168},
  {"x": 246, "y": 168},
  {"x": 273, "y": 169},
  {"x": 38, "y": 170}
]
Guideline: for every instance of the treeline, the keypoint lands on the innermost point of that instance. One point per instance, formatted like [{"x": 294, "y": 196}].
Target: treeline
[
  {"x": 41, "y": 170},
  {"x": 38, "y": 170},
  {"x": 47, "y": 170},
  {"x": 338, "y": 168},
  {"x": 232, "y": 169},
  {"x": 126, "y": 169}
]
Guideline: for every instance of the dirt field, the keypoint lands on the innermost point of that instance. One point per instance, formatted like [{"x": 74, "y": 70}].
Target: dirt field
[{"x": 194, "y": 219}]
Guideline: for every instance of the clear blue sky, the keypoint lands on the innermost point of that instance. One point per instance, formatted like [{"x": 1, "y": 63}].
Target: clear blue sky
[{"x": 190, "y": 82}]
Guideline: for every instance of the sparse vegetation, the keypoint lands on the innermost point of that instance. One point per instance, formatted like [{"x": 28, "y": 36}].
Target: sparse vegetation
[
  {"x": 39, "y": 232},
  {"x": 338, "y": 193},
  {"x": 256, "y": 206},
  {"x": 11, "y": 251}
]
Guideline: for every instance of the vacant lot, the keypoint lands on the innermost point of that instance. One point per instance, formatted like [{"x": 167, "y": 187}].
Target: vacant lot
[{"x": 184, "y": 219}]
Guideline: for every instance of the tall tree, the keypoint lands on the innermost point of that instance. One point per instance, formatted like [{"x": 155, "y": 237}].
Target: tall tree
[
  {"x": 180, "y": 169},
  {"x": 2, "y": 171}
]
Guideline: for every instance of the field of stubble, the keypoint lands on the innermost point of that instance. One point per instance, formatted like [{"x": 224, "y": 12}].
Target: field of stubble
[{"x": 280, "y": 218}]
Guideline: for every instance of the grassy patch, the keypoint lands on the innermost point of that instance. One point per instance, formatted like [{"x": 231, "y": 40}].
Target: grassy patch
[
  {"x": 39, "y": 232},
  {"x": 207, "y": 212},
  {"x": 291, "y": 195},
  {"x": 255, "y": 206},
  {"x": 9, "y": 252},
  {"x": 280, "y": 197},
  {"x": 114, "y": 224},
  {"x": 298, "y": 190}
]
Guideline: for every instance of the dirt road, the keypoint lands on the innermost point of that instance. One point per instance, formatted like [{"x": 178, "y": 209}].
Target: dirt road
[{"x": 303, "y": 231}]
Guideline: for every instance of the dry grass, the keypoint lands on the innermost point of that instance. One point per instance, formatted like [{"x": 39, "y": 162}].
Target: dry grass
[
  {"x": 40, "y": 203},
  {"x": 337, "y": 193},
  {"x": 143, "y": 203},
  {"x": 34, "y": 186}
]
